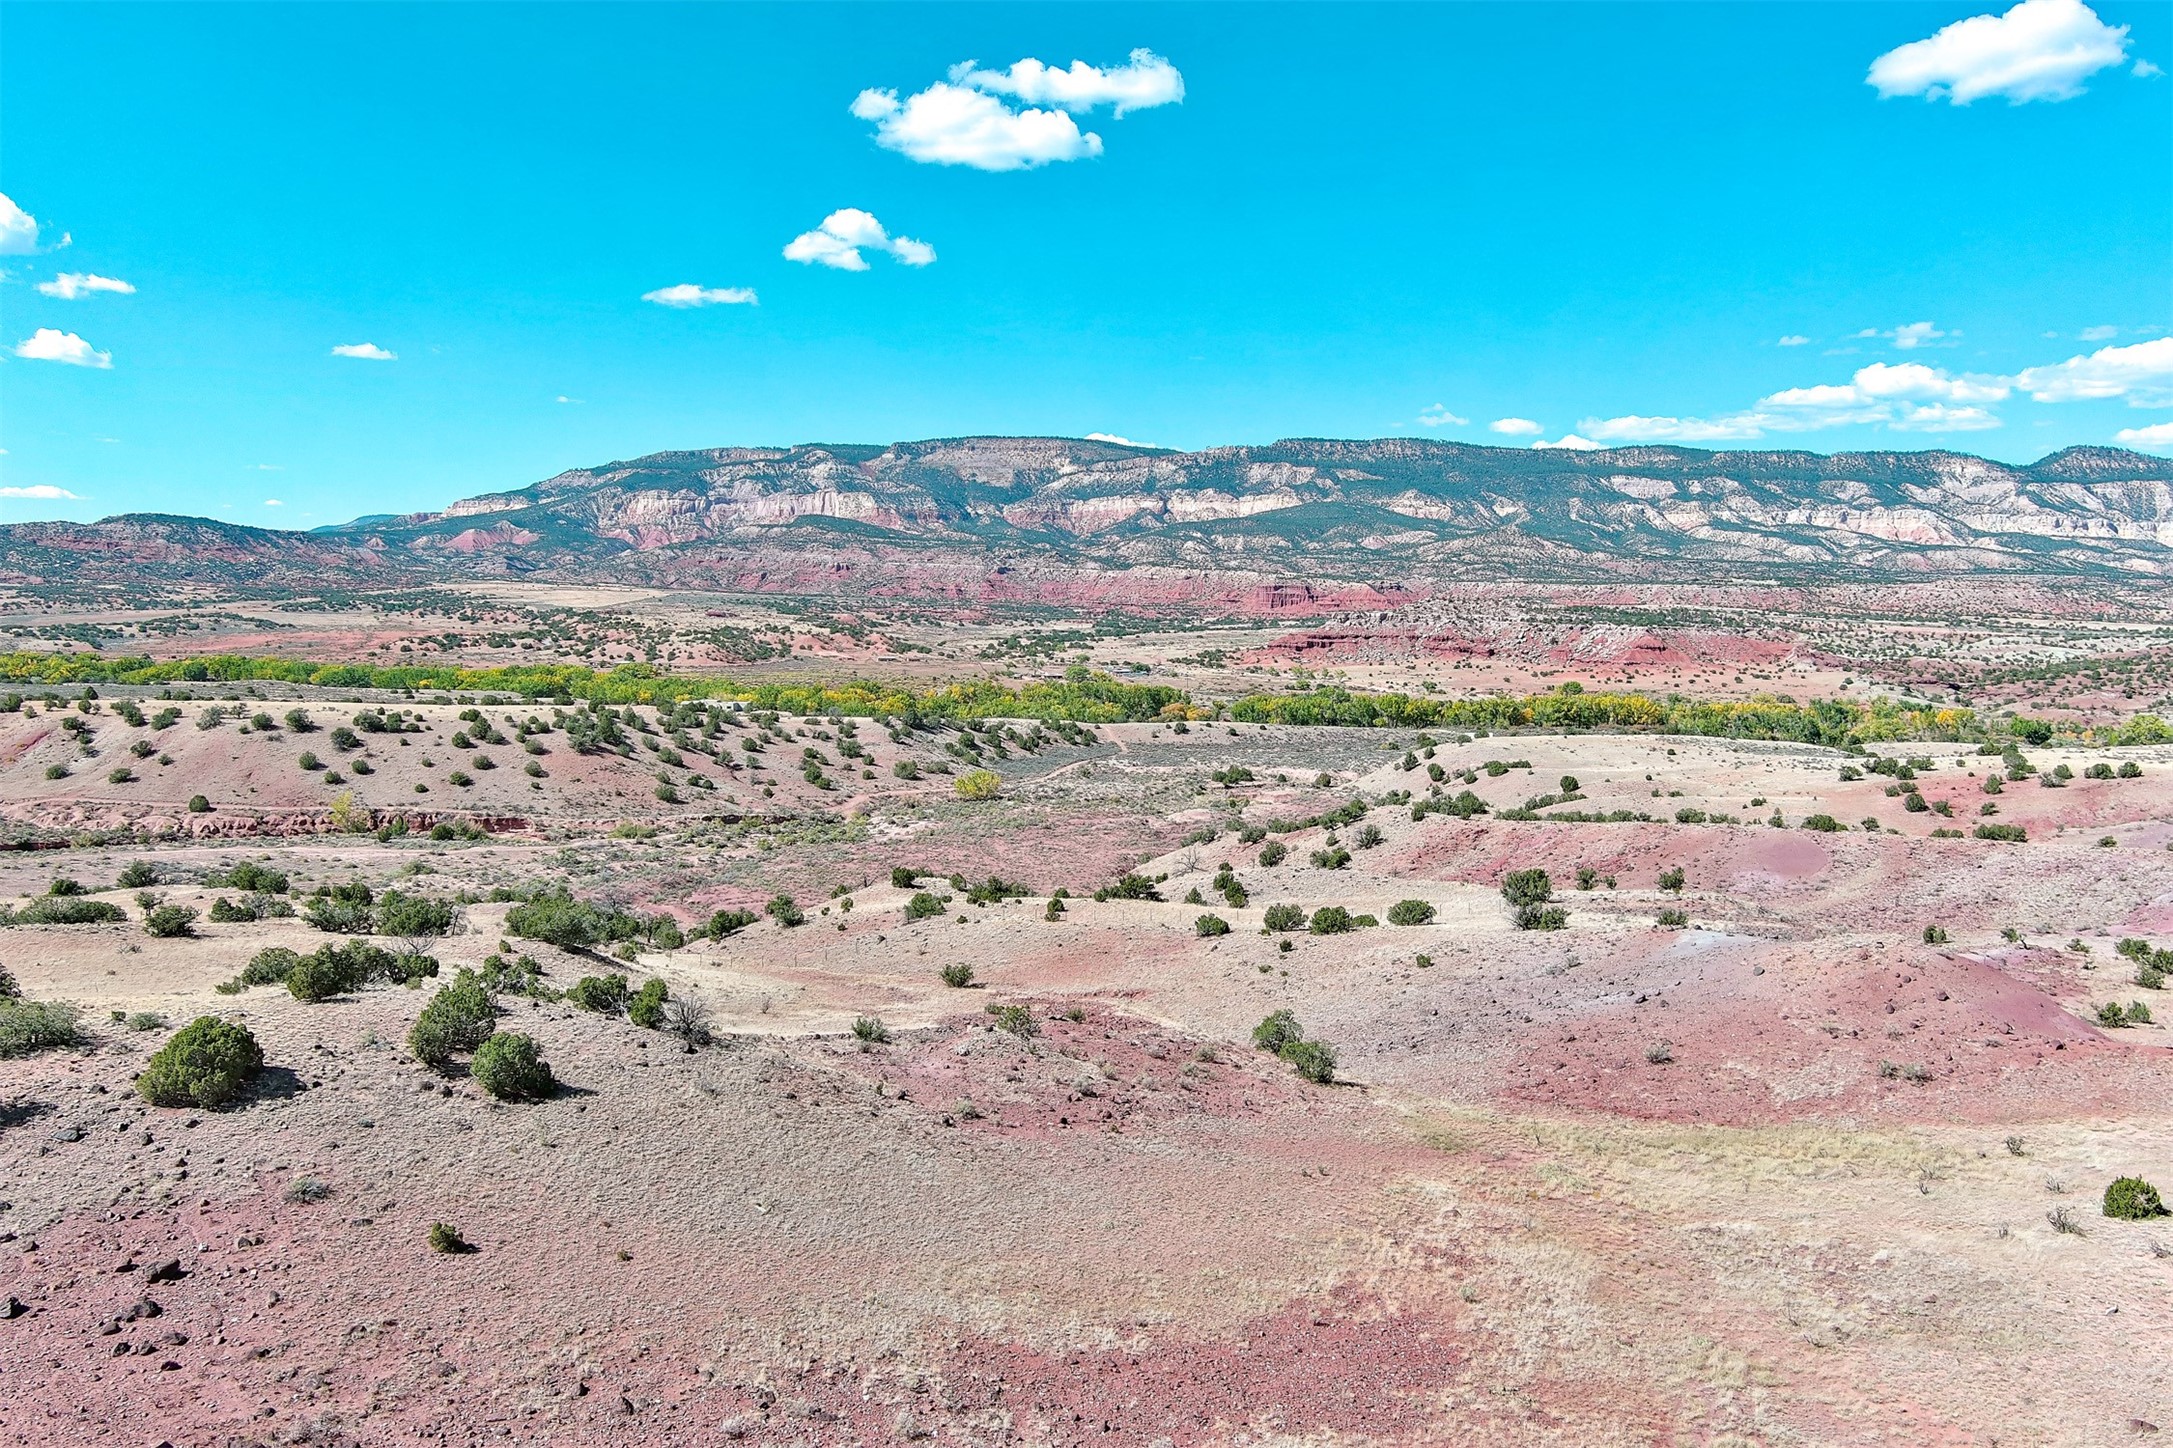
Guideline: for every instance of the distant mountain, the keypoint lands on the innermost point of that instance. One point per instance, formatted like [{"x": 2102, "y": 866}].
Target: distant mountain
[{"x": 1060, "y": 519}]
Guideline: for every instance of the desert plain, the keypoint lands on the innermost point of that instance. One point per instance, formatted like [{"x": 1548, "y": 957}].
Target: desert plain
[{"x": 1791, "y": 1124}]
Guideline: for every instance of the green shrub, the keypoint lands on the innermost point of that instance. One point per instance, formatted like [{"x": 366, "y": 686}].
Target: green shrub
[
  {"x": 1541, "y": 917},
  {"x": 978, "y": 784},
  {"x": 645, "y": 1008},
  {"x": 199, "y": 805},
  {"x": 871, "y": 1030},
  {"x": 460, "y": 1017},
  {"x": 924, "y": 905},
  {"x": 27, "y": 1026},
  {"x": 786, "y": 913},
  {"x": 1018, "y": 1020},
  {"x": 269, "y": 966},
  {"x": 1277, "y": 1032},
  {"x": 413, "y": 915},
  {"x": 1314, "y": 1060},
  {"x": 511, "y": 1067},
  {"x": 2011, "y": 834},
  {"x": 1331, "y": 920},
  {"x": 729, "y": 922},
  {"x": 207, "y": 1063},
  {"x": 604, "y": 994},
  {"x": 321, "y": 976},
  {"x": 1331, "y": 857},
  {"x": 1527, "y": 887},
  {"x": 1935, "y": 935},
  {"x": 1825, "y": 824},
  {"x": 1129, "y": 886},
  {"x": 903, "y": 877},
  {"x": 1672, "y": 919},
  {"x": 251, "y": 876},
  {"x": 1207, "y": 925},
  {"x": 2133, "y": 1199},
  {"x": 64, "y": 910},
  {"x": 1410, "y": 912},
  {"x": 957, "y": 975},
  {"x": 1274, "y": 852},
  {"x": 1672, "y": 879},
  {"x": 446, "y": 1238},
  {"x": 1284, "y": 917},
  {"x": 170, "y": 921},
  {"x": 138, "y": 875}
]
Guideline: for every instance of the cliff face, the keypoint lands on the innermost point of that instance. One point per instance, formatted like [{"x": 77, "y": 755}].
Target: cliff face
[{"x": 1050, "y": 518}]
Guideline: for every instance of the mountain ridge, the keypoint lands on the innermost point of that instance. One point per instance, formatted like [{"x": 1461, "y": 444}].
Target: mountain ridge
[{"x": 929, "y": 516}]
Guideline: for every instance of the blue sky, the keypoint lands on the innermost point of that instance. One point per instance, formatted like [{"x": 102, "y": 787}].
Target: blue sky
[{"x": 1346, "y": 220}]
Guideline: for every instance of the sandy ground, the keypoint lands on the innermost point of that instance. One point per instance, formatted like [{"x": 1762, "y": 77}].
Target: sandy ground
[{"x": 1822, "y": 1218}]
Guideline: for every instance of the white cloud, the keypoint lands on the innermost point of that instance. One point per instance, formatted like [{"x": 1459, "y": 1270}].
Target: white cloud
[
  {"x": 952, "y": 126},
  {"x": 41, "y": 491},
  {"x": 1146, "y": 80},
  {"x": 687, "y": 294},
  {"x": 2143, "y": 374},
  {"x": 1938, "y": 417},
  {"x": 1792, "y": 340},
  {"x": 960, "y": 121},
  {"x": 844, "y": 234},
  {"x": 1878, "y": 393},
  {"x": 571, "y": 401},
  {"x": 2041, "y": 50},
  {"x": 2158, "y": 434},
  {"x": 1674, "y": 429},
  {"x": 49, "y": 344},
  {"x": 1439, "y": 416},
  {"x": 367, "y": 351},
  {"x": 268, "y": 467},
  {"x": 1119, "y": 441},
  {"x": 2097, "y": 334},
  {"x": 1571, "y": 441},
  {"x": 70, "y": 285},
  {"x": 1514, "y": 427},
  {"x": 18, "y": 229},
  {"x": 1912, "y": 335},
  {"x": 273, "y": 503},
  {"x": 2147, "y": 69}
]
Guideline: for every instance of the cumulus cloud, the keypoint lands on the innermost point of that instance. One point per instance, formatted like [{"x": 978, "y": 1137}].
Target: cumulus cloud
[
  {"x": 45, "y": 492},
  {"x": 1792, "y": 340},
  {"x": 1144, "y": 81},
  {"x": 2143, "y": 374},
  {"x": 2041, "y": 50},
  {"x": 1438, "y": 416},
  {"x": 950, "y": 125},
  {"x": 687, "y": 294},
  {"x": 49, "y": 344},
  {"x": 845, "y": 234},
  {"x": 1874, "y": 395},
  {"x": 1571, "y": 441},
  {"x": 961, "y": 122},
  {"x": 1119, "y": 441},
  {"x": 1514, "y": 427},
  {"x": 2158, "y": 434},
  {"x": 18, "y": 229},
  {"x": 68, "y": 286},
  {"x": 367, "y": 351},
  {"x": 1673, "y": 429}
]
